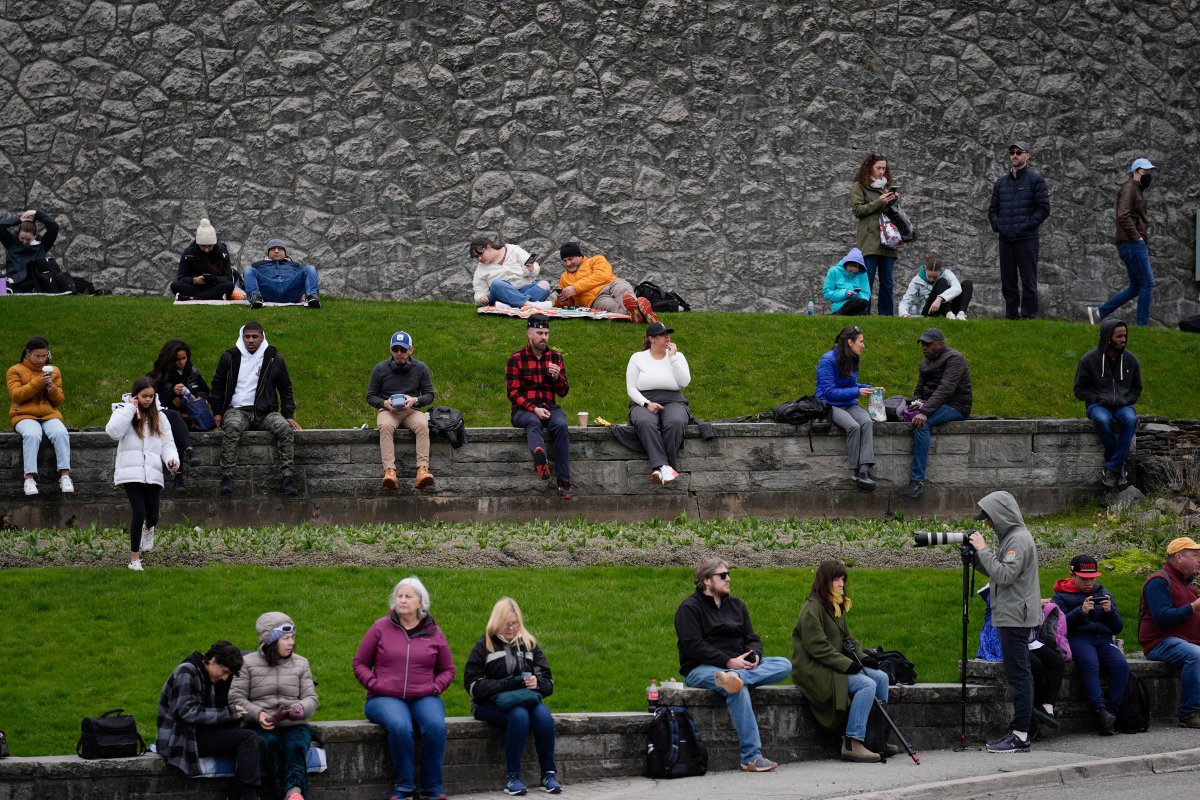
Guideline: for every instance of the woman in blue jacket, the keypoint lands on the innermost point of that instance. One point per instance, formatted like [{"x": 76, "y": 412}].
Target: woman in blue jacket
[
  {"x": 837, "y": 385},
  {"x": 847, "y": 287}
]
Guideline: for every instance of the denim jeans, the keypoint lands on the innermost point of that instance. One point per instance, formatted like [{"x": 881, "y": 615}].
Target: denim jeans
[
  {"x": 1095, "y": 654},
  {"x": 505, "y": 292},
  {"x": 516, "y": 723},
  {"x": 31, "y": 431},
  {"x": 1014, "y": 646},
  {"x": 557, "y": 425},
  {"x": 865, "y": 686},
  {"x": 1116, "y": 444},
  {"x": 920, "y": 459},
  {"x": 773, "y": 669},
  {"x": 1136, "y": 257},
  {"x": 282, "y": 281},
  {"x": 397, "y": 717},
  {"x": 885, "y": 266},
  {"x": 1186, "y": 656}
]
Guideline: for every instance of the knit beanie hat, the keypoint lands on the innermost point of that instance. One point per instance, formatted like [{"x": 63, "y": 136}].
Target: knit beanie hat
[
  {"x": 273, "y": 243},
  {"x": 569, "y": 250},
  {"x": 269, "y": 628},
  {"x": 206, "y": 233}
]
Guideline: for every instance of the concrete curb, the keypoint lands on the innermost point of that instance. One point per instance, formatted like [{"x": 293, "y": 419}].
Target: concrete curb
[{"x": 1101, "y": 769}]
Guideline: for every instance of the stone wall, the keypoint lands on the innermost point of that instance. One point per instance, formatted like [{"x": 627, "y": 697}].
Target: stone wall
[
  {"x": 706, "y": 145},
  {"x": 748, "y": 468}
]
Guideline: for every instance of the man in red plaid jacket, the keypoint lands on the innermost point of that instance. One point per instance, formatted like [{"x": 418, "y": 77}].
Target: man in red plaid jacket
[{"x": 535, "y": 374}]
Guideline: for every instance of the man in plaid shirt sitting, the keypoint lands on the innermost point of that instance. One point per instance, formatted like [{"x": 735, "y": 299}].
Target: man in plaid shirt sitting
[{"x": 535, "y": 374}]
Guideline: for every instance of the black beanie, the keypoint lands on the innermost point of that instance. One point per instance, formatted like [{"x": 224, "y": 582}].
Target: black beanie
[{"x": 569, "y": 250}]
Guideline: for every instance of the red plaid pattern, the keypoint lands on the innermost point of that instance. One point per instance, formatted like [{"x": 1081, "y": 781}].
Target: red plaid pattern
[{"x": 529, "y": 384}]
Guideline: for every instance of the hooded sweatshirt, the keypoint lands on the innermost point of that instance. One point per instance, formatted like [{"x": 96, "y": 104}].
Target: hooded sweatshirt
[
  {"x": 1069, "y": 598},
  {"x": 838, "y": 283},
  {"x": 272, "y": 388},
  {"x": 1112, "y": 383},
  {"x": 261, "y": 687},
  {"x": 1012, "y": 567}
]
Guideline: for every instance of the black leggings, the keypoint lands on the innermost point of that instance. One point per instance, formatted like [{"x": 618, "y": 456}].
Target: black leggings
[{"x": 143, "y": 499}]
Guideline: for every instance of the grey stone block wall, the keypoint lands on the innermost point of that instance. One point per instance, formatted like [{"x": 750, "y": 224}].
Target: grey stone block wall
[
  {"x": 764, "y": 469},
  {"x": 708, "y": 146}
]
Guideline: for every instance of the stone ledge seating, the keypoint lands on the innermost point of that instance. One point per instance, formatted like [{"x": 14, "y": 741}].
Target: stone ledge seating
[{"x": 589, "y": 746}]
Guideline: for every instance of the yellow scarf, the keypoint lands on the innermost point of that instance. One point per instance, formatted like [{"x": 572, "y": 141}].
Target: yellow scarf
[{"x": 839, "y": 601}]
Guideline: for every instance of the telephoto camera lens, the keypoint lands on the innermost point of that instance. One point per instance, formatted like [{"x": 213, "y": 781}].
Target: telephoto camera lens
[{"x": 932, "y": 538}]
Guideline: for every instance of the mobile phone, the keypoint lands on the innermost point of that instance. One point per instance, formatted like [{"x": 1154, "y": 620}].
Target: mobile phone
[{"x": 532, "y": 258}]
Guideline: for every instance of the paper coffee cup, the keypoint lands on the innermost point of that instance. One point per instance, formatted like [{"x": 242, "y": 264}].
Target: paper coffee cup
[
  {"x": 48, "y": 370},
  {"x": 583, "y": 419}
]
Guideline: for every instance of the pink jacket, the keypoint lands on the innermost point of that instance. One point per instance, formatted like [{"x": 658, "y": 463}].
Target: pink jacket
[{"x": 392, "y": 663}]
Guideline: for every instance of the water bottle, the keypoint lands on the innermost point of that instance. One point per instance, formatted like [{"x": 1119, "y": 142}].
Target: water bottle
[
  {"x": 187, "y": 395},
  {"x": 652, "y": 695},
  {"x": 810, "y": 310}
]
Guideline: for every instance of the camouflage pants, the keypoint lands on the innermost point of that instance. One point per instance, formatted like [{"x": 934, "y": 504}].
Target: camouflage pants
[{"x": 237, "y": 420}]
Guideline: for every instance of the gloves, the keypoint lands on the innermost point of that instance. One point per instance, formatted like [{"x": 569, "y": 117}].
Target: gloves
[
  {"x": 870, "y": 661},
  {"x": 854, "y": 668}
]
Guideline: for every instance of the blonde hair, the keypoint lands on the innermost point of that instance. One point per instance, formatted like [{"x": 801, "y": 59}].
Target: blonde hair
[{"x": 507, "y": 607}]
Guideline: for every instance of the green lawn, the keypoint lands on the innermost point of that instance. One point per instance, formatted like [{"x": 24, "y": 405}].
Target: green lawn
[
  {"x": 742, "y": 363},
  {"x": 606, "y": 631}
]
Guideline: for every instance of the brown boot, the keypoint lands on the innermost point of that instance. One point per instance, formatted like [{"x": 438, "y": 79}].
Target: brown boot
[
  {"x": 389, "y": 479},
  {"x": 424, "y": 478},
  {"x": 854, "y": 750}
]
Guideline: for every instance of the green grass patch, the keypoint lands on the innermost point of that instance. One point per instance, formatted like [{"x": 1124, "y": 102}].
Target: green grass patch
[
  {"x": 742, "y": 363},
  {"x": 607, "y": 631}
]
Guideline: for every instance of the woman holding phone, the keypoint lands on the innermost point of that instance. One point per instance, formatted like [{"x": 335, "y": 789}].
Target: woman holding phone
[
  {"x": 871, "y": 193},
  {"x": 838, "y": 386},
  {"x": 143, "y": 437},
  {"x": 506, "y": 274}
]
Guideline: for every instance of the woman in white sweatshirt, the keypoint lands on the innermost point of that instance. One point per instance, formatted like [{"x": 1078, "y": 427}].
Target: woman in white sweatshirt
[
  {"x": 658, "y": 410},
  {"x": 506, "y": 274},
  {"x": 144, "y": 444}
]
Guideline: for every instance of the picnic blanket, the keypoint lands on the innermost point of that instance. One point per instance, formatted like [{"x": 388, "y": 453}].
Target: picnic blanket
[
  {"x": 10, "y": 293},
  {"x": 551, "y": 311},
  {"x": 181, "y": 302}
]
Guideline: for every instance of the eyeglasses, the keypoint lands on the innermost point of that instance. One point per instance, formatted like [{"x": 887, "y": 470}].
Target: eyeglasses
[{"x": 722, "y": 575}]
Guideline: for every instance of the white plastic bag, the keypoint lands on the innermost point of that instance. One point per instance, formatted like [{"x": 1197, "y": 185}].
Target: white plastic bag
[{"x": 875, "y": 407}]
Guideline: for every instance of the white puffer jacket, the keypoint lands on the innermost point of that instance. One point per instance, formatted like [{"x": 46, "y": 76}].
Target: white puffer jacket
[{"x": 140, "y": 460}]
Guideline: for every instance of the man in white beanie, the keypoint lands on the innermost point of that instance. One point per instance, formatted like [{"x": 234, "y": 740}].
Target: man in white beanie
[
  {"x": 205, "y": 272},
  {"x": 278, "y": 279}
]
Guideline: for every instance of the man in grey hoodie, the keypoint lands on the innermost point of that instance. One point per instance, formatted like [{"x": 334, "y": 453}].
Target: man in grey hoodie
[{"x": 1016, "y": 606}]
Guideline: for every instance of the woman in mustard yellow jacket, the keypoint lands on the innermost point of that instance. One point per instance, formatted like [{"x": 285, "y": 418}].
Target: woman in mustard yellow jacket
[{"x": 35, "y": 387}]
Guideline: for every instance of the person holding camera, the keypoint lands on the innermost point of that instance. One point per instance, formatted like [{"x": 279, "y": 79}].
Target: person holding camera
[
  {"x": 1092, "y": 622},
  {"x": 1016, "y": 606},
  {"x": 830, "y": 668},
  {"x": 719, "y": 651},
  {"x": 846, "y": 286}
]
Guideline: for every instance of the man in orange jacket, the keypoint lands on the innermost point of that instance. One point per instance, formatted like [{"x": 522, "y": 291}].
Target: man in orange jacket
[{"x": 590, "y": 283}]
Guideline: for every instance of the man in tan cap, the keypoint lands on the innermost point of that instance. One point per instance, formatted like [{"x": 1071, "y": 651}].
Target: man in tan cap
[{"x": 1169, "y": 623}]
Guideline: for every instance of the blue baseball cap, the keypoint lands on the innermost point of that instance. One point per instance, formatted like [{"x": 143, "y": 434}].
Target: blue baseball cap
[
  {"x": 1141, "y": 163},
  {"x": 402, "y": 339}
]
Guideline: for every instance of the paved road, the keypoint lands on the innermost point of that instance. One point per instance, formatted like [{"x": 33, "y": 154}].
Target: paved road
[{"x": 1143, "y": 787}]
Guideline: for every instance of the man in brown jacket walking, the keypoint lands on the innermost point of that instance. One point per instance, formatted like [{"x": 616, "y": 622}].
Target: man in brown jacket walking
[{"x": 1131, "y": 242}]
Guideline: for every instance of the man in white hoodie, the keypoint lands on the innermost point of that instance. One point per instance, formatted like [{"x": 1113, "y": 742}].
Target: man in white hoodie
[{"x": 252, "y": 389}]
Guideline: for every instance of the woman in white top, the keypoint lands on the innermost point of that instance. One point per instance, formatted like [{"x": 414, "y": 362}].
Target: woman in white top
[
  {"x": 658, "y": 410},
  {"x": 144, "y": 445},
  {"x": 505, "y": 274}
]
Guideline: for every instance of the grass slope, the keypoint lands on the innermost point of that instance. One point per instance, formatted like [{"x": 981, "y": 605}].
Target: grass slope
[{"x": 742, "y": 363}]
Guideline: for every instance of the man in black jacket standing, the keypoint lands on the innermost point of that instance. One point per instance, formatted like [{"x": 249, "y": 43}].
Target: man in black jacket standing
[
  {"x": 1020, "y": 204},
  {"x": 252, "y": 389},
  {"x": 719, "y": 651},
  {"x": 1109, "y": 381}
]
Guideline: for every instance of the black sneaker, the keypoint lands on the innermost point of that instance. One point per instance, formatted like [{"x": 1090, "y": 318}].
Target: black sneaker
[
  {"x": 180, "y": 486},
  {"x": 314, "y": 301},
  {"x": 227, "y": 484},
  {"x": 1110, "y": 479},
  {"x": 1044, "y": 717},
  {"x": 863, "y": 480},
  {"x": 1107, "y": 722},
  {"x": 913, "y": 490},
  {"x": 1009, "y": 743},
  {"x": 256, "y": 300},
  {"x": 288, "y": 486},
  {"x": 193, "y": 457}
]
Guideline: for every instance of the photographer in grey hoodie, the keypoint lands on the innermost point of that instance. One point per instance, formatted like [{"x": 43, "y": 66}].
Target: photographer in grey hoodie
[{"x": 1016, "y": 606}]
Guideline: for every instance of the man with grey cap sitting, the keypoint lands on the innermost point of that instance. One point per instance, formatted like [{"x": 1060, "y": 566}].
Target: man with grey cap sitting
[
  {"x": 278, "y": 279},
  {"x": 943, "y": 394},
  {"x": 399, "y": 386}
]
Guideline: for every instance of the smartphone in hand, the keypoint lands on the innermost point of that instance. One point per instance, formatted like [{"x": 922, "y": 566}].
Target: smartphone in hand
[{"x": 529, "y": 262}]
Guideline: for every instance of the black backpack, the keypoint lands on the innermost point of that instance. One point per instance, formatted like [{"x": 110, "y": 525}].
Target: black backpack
[
  {"x": 48, "y": 278},
  {"x": 674, "y": 749},
  {"x": 900, "y": 671},
  {"x": 113, "y": 734},
  {"x": 1134, "y": 714},
  {"x": 804, "y": 409},
  {"x": 878, "y": 732},
  {"x": 448, "y": 422},
  {"x": 660, "y": 299}
]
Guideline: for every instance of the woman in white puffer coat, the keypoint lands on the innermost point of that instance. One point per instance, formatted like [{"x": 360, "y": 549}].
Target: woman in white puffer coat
[{"x": 144, "y": 445}]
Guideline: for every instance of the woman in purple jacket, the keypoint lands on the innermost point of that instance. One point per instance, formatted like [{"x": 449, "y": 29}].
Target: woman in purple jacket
[{"x": 405, "y": 664}]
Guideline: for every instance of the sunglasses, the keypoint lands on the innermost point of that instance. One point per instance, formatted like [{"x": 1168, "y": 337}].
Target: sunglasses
[
  {"x": 722, "y": 575},
  {"x": 286, "y": 627},
  {"x": 396, "y": 348}
]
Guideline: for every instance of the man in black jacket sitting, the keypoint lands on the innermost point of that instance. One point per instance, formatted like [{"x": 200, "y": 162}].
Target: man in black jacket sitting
[
  {"x": 1109, "y": 381},
  {"x": 252, "y": 389}
]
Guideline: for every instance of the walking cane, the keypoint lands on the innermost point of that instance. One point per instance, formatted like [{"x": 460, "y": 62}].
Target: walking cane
[{"x": 850, "y": 651}]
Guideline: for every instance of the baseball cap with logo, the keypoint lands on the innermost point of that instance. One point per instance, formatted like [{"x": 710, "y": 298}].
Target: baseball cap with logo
[
  {"x": 1084, "y": 566},
  {"x": 402, "y": 339}
]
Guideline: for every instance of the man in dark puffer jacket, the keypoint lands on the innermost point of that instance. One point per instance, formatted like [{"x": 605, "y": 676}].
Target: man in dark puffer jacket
[{"x": 1020, "y": 204}]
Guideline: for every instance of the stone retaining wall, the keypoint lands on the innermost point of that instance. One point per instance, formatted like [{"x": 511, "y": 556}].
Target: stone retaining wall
[{"x": 762, "y": 468}]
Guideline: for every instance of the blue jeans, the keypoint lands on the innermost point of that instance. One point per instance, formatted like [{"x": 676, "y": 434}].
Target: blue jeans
[
  {"x": 1186, "y": 656},
  {"x": 516, "y": 723},
  {"x": 1095, "y": 654},
  {"x": 31, "y": 431},
  {"x": 773, "y": 669},
  {"x": 1116, "y": 445},
  {"x": 397, "y": 717},
  {"x": 885, "y": 265},
  {"x": 557, "y": 425},
  {"x": 1136, "y": 257},
  {"x": 865, "y": 686},
  {"x": 505, "y": 292},
  {"x": 282, "y": 282},
  {"x": 920, "y": 459}
]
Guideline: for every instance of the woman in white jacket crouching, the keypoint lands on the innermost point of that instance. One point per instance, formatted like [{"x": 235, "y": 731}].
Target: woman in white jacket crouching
[{"x": 144, "y": 445}]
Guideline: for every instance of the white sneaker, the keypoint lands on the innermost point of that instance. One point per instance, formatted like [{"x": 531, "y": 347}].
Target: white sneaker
[
  {"x": 950, "y": 315},
  {"x": 30, "y": 487},
  {"x": 1093, "y": 315},
  {"x": 65, "y": 483},
  {"x": 147, "y": 539},
  {"x": 961, "y": 315},
  {"x": 136, "y": 566},
  {"x": 668, "y": 474}
]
